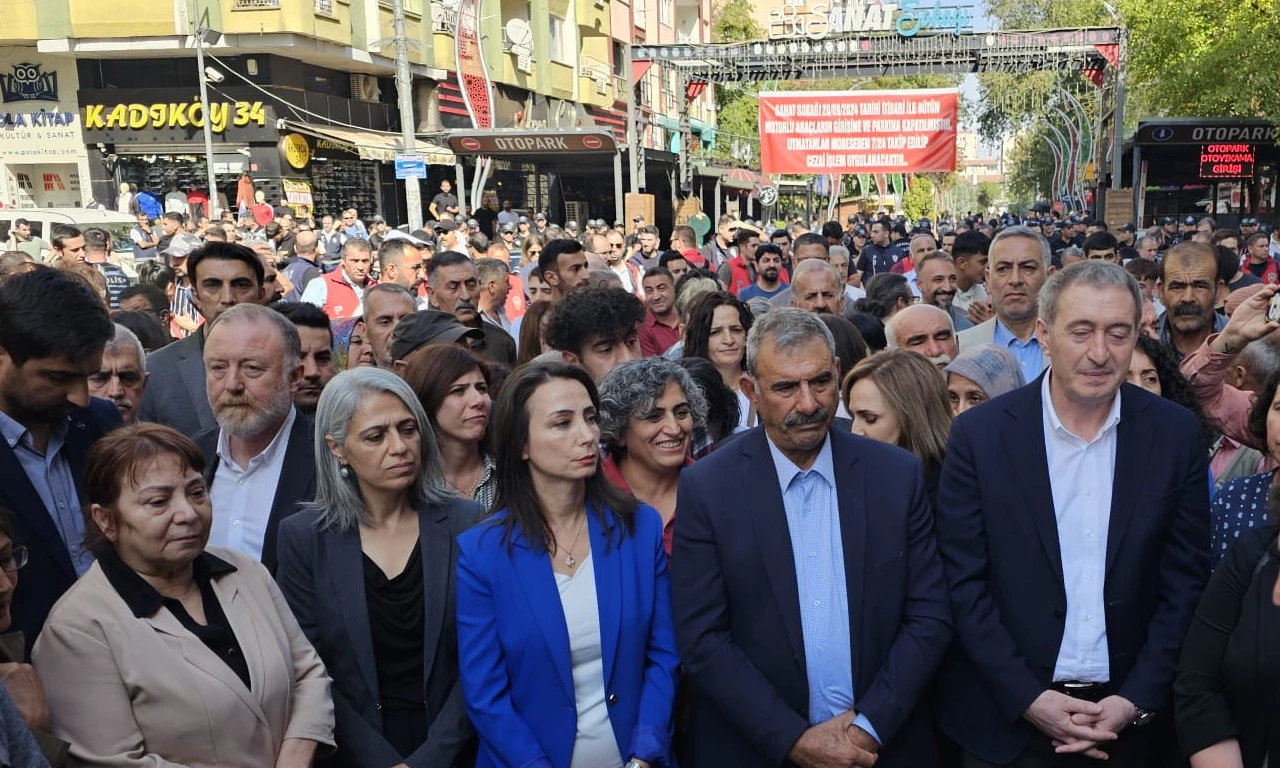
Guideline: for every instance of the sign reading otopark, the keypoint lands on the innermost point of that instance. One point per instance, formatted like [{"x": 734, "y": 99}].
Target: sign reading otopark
[{"x": 816, "y": 132}]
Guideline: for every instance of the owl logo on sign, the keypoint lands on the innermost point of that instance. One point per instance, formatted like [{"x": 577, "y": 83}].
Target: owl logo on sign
[{"x": 28, "y": 83}]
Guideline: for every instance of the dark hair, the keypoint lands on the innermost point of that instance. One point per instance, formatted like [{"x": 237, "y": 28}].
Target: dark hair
[
  {"x": 531, "y": 331},
  {"x": 1191, "y": 252},
  {"x": 607, "y": 314},
  {"x": 445, "y": 259},
  {"x": 1100, "y": 241},
  {"x": 549, "y": 259},
  {"x": 96, "y": 239},
  {"x": 660, "y": 271},
  {"x": 156, "y": 273},
  {"x": 870, "y": 329},
  {"x": 810, "y": 238},
  {"x": 969, "y": 244},
  {"x": 1143, "y": 269},
  {"x": 648, "y": 229},
  {"x": 15, "y": 262},
  {"x": 145, "y": 326},
  {"x": 669, "y": 256},
  {"x": 305, "y": 315},
  {"x": 217, "y": 250},
  {"x": 153, "y": 294},
  {"x": 744, "y": 235},
  {"x": 850, "y": 347},
  {"x": 117, "y": 458},
  {"x": 1228, "y": 262},
  {"x": 51, "y": 313},
  {"x": 1261, "y": 407},
  {"x": 431, "y": 370},
  {"x": 1175, "y": 387},
  {"x": 1223, "y": 234},
  {"x": 832, "y": 230},
  {"x": 767, "y": 248},
  {"x": 697, "y": 333},
  {"x": 392, "y": 250},
  {"x": 884, "y": 290},
  {"x": 516, "y": 492},
  {"x": 777, "y": 233},
  {"x": 723, "y": 409},
  {"x": 176, "y": 218},
  {"x": 62, "y": 232},
  {"x": 1256, "y": 236}
]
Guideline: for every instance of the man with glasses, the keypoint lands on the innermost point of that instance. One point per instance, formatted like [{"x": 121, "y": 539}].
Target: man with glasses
[
  {"x": 122, "y": 377},
  {"x": 612, "y": 249},
  {"x": 352, "y": 227}
]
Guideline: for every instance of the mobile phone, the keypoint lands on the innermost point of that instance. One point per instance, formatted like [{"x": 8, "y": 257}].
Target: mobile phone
[{"x": 1273, "y": 309}]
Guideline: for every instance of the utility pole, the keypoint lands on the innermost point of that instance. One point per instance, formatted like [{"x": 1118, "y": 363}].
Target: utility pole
[
  {"x": 199, "y": 30},
  {"x": 404, "y": 96}
]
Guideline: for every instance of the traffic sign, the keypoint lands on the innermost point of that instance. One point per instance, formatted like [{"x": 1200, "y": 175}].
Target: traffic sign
[{"x": 411, "y": 166}]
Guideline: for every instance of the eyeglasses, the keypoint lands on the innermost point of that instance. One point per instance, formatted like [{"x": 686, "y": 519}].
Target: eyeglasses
[
  {"x": 15, "y": 559},
  {"x": 617, "y": 246},
  {"x": 535, "y": 251}
]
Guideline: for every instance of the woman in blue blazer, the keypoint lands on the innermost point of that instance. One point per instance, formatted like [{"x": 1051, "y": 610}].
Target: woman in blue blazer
[{"x": 566, "y": 645}]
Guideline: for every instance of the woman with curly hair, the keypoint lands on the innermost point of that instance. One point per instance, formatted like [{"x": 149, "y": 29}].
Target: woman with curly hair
[
  {"x": 717, "y": 331},
  {"x": 1154, "y": 368}
]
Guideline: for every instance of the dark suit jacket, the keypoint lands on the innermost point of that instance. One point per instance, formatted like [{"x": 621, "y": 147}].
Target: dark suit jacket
[
  {"x": 297, "y": 478},
  {"x": 176, "y": 395},
  {"x": 737, "y": 606},
  {"x": 998, "y": 534},
  {"x": 322, "y": 576},
  {"x": 49, "y": 572}
]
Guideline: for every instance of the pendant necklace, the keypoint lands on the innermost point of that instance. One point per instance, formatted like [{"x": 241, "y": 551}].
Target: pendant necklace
[{"x": 569, "y": 559}]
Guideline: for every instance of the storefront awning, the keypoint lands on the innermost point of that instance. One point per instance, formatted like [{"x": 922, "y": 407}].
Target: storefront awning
[{"x": 373, "y": 145}]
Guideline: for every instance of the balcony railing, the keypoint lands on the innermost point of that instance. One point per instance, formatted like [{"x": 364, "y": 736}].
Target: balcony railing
[
  {"x": 324, "y": 7},
  {"x": 255, "y": 5},
  {"x": 443, "y": 19},
  {"x": 620, "y": 87}
]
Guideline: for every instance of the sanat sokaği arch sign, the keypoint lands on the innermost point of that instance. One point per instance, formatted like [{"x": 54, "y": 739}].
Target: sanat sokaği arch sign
[{"x": 906, "y": 18}]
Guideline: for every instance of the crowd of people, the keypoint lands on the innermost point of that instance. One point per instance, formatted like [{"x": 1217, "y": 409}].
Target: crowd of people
[{"x": 962, "y": 492}]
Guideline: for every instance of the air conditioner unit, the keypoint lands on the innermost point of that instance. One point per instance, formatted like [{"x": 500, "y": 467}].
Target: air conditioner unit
[{"x": 365, "y": 88}]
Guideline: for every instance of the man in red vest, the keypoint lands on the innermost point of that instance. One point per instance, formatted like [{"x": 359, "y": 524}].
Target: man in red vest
[{"x": 341, "y": 292}]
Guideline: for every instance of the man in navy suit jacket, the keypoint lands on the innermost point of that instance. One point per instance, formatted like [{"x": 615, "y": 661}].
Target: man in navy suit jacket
[
  {"x": 53, "y": 328},
  {"x": 809, "y": 599},
  {"x": 1073, "y": 524}
]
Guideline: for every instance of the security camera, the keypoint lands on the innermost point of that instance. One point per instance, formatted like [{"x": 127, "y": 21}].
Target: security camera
[{"x": 213, "y": 75}]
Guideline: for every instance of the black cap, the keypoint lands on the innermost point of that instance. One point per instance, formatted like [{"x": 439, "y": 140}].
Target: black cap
[
  {"x": 1167, "y": 220},
  {"x": 445, "y": 225},
  {"x": 377, "y": 219},
  {"x": 1189, "y": 220},
  {"x": 859, "y": 231},
  {"x": 1127, "y": 227},
  {"x": 429, "y": 326},
  {"x": 1248, "y": 221},
  {"x": 853, "y": 217}
]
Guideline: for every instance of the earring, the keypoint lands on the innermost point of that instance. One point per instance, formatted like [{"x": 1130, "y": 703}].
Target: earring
[{"x": 345, "y": 471}]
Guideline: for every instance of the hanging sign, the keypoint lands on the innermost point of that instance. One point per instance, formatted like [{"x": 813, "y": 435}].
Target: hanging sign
[
  {"x": 1227, "y": 161},
  {"x": 906, "y": 18},
  {"x": 816, "y": 132}
]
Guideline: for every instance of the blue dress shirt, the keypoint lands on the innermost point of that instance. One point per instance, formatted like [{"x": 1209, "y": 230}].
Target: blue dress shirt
[
  {"x": 813, "y": 520},
  {"x": 1028, "y": 352}
]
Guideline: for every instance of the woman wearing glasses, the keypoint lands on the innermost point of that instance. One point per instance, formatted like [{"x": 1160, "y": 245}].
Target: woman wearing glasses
[{"x": 24, "y": 714}]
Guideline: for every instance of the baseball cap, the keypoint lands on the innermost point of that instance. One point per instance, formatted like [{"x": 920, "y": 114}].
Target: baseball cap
[
  {"x": 429, "y": 326},
  {"x": 473, "y": 224},
  {"x": 540, "y": 216},
  {"x": 524, "y": 219},
  {"x": 1127, "y": 227},
  {"x": 377, "y": 219},
  {"x": 1189, "y": 220},
  {"x": 396, "y": 234},
  {"x": 1167, "y": 220},
  {"x": 1248, "y": 221},
  {"x": 508, "y": 227},
  {"x": 181, "y": 245},
  {"x": 446, "y": 225},
  {"x": 571, "y": 224},
  {"x": 853, "y": 217}
]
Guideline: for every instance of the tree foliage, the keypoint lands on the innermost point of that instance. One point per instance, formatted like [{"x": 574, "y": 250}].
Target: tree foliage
[{"x": 917, "y": 202}]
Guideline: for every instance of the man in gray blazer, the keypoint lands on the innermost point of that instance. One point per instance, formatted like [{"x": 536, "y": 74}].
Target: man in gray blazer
[
  {"x": 1017, "y": 267},
  {"x": 222, "y": 276}
]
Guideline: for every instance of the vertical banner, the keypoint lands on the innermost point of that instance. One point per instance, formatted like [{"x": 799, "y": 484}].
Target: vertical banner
[
  {"x": 473, "y": 76},
  {"x": 858, "y": 131}
]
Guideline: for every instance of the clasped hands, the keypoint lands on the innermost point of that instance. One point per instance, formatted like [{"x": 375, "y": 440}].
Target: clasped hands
[
  {"x": 1076, "y": 726},
  {"x": 836, "y": 743}
]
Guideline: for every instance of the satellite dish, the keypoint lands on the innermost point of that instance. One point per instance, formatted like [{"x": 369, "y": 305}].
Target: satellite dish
[{"x": 518, "y": 34}]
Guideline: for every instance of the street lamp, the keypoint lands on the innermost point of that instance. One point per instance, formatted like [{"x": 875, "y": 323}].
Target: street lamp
[{"x": 205, "y": 36}]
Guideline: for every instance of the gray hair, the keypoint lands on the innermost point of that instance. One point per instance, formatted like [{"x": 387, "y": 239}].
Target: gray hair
[
  {"x": 125, "y": 339},
  {"x": 1026, "y": 233},
  {"x": 1094, "y": 273},
  {"x": 1261, "y": 358},
  {"x": 786, "y": 327},
  {"x": 338, "y": 499},
  {"x": 693, "y": 289},
  {"x": 891, "y": 325},
  {"x": 258, "y": 313},
  {"x": 837, "y": 250},
  {"x": 814, "y": 265},
  {"x": 631, "y": 390},
  {"x": 392, "y": 288},
  {"x": 489, "y": 268}
]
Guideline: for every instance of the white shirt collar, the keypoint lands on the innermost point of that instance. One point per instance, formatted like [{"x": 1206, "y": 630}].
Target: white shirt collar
[
  {"x": 787, "y": 469},
  {"x": 1055, "y": 423},
  {"x": 270, "y": 454}
]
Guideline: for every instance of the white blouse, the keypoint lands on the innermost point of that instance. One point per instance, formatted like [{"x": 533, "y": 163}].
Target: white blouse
[{"x": 594, "y": 746}]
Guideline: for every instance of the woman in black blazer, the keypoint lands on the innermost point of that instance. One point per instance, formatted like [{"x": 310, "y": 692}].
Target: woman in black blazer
[
  {"x": 1228, "y": 679},
  {"x": 369, "y": 572}
]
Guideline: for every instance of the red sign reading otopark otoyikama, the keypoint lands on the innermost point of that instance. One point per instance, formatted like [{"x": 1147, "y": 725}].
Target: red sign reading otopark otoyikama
[{"x": 812, "y": 132}]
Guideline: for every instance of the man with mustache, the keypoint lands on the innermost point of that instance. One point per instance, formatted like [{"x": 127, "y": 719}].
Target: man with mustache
[
  {"x": 1189, "y": 286},
  {"x": 453, "y": 287},
  {"x": 123, "y": 376},
  {"x": 53, "y": 328},
  {"x": 1017, "y": 266},
  {"x": 316, "y": 335},
  {"x": 811, "y": 629},
  {"x": 261, "y": 455},
  {"x": 937, "y": 281},
  {"x": 817, "y": 287},
  {"x": 768, "y": 274},
  {"x": 925, "y": 329}
]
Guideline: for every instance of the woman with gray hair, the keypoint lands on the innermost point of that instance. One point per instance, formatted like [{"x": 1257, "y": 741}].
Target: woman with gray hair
[
  {"x": 368, "y": 570},
  {"x": 980, "y": 373},
  {"x": 649, "y": 411}
]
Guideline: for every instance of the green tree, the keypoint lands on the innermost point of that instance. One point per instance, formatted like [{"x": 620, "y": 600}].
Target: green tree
[
  {"x": 988, "y": 193},
  {"x": 917, "y": 202}
]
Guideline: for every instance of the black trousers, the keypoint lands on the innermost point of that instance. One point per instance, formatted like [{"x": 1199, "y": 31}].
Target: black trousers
[{"x": 1133, "y": 749}]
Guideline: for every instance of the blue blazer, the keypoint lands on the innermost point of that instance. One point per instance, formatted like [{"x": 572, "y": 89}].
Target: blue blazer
[
  {"x": 998, "y": 534},
  {"x": 737, "y": 605},
  {"x": 513, "y": 645}
]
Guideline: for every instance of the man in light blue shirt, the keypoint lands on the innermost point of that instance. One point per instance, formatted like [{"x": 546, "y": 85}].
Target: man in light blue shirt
[{"x": 1017, "y": 267}]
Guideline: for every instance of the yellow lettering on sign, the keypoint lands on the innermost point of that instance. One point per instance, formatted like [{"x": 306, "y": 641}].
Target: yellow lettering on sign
[
  {"x": 137, "y": 116},
  {"x": 93, "y": 116},
  {"x": 175, "y": 115},
  {"x": 218, "y": 114}
]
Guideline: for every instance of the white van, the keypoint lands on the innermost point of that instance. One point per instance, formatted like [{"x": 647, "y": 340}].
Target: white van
[{"x": 43, "y": 219}]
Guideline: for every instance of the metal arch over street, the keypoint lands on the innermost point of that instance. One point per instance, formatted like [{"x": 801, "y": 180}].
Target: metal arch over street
[{"x": 855, "y": 55}]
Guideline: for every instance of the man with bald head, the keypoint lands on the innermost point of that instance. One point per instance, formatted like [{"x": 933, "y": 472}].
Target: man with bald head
[
  {"x": 817, "y": 287},
  {"x": 304, "y": 264},
  {"x": 926, "y": 329}
]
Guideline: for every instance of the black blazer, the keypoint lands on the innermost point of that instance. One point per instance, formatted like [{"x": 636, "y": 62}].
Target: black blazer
[
  {"x": 49, "y": 572},
  {"x": 322, "y": 576},
  {"x": 998, "y": 535},
  {"x": 176, "y": 394},
  {"x": 1229, "y": 673},
  {"x": 737, "y": 607},
  {"x": 297, "y": 478}
]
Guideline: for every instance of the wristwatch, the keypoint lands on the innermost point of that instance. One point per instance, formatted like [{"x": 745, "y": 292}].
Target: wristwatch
[
  {"x": 633, "y": 763},
  {"x": 1141, "y": 717}
]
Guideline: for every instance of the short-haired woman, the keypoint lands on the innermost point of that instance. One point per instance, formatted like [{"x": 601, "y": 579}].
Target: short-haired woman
[
  {"x": 564, "y": 616},
  {"x": 717, "y": 331},
  {"x": 454, "y": 386},
  {"x": 897, "y": 397},
  {"x": 649, "y": 411},
  {"x": 166, "y": 653},
  {"x": 368, "y": 570}
]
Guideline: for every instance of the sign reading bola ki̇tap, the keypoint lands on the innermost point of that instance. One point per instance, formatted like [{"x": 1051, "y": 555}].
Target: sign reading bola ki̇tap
[{"x": 810, "y": 132}]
